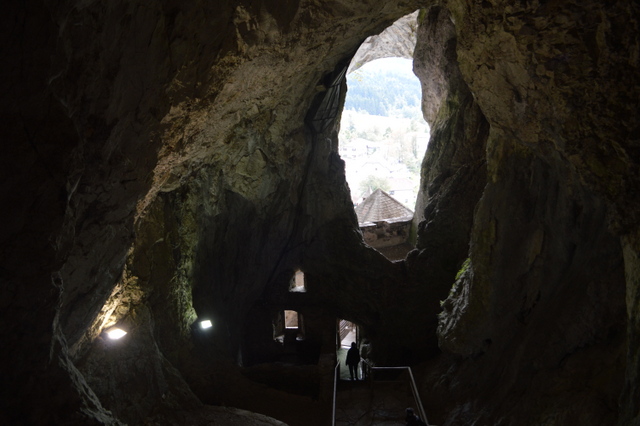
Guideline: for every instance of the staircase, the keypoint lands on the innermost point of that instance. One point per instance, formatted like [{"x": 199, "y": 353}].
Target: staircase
[{"x": 379, "y": 400}]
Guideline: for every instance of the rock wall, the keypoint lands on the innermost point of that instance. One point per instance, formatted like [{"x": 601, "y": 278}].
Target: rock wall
[
  {"x": 545, "y": 250},
  {"x": 161, "y": 169},
  {"x": 454, "y": 169},
  {"x": 396, "y": 41}
]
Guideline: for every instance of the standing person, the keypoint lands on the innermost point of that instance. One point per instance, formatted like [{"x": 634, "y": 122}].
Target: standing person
[
  {"x": 412, "y": 419},
  {"x": 353, "y": 359}
]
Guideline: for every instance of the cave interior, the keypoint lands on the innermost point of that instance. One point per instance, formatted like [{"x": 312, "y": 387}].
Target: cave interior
[{"x": 175, "y": 162}]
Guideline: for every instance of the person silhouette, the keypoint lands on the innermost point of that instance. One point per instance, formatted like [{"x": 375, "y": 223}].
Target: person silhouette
[
  {"x": 353, "y": 359},
  {"x": 412, "y": 419}
]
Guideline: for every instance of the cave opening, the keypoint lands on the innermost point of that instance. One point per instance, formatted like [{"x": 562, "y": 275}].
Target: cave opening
[
  {"x": 383, "y": 138},
  {"x": 299, "y": 305},
  {"x": 383, "y": 135},
  {"x": 300, "y": 317},
  {"x": 348, "y": 333},
  {"x": 276, "y": 320}
]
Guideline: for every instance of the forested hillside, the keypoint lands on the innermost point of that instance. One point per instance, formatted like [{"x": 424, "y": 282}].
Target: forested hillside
[{"x": 387, "y": 88}]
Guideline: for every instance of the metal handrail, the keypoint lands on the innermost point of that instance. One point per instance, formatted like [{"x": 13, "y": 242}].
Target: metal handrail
[
  {"x": 412, "y": 382},
  {"x": 335, "y": 388},
  {"x": 416, "y": 396}
]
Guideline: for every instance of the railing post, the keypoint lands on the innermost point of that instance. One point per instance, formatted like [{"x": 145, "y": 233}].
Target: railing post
[
  {"x": 370, "y": 370},
  {"x": 416, "y": 396},
  {"x": 335, "y": 389}
]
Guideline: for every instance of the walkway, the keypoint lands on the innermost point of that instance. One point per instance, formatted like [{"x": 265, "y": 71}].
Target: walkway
[{"x": 380, "y": 402}]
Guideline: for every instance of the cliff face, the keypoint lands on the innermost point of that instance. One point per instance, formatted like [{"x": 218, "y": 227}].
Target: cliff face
[
  {"x": 396, "y": 41},
  {"x": 545, "y": 287},
  {"x": 173, "y": 162}
]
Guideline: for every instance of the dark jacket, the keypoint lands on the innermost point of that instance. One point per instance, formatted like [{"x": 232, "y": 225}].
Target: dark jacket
[
  {"x": 353, "y": 356},
  {"x": 413, "y": 420}
]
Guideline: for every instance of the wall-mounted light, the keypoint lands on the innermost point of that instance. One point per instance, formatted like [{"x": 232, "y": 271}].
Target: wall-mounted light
[
  {"x": 116, "y": 333},
  {"x": 204, "y": 324}
]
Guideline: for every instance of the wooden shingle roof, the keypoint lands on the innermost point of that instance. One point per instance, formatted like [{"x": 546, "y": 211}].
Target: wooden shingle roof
[{"x": 380, "y": 206}]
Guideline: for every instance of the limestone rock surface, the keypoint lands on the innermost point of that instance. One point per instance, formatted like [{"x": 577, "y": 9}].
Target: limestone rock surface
[
  {"x": 169, "y": 162},
  {"x": 532, "y": 263},
  {"x": 396, "y": 41},
  {"x": 167, "y": 166}
]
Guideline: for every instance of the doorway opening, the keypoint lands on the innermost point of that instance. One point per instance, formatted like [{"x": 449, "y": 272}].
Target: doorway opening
[
  {"x": 347, "y": 333},
  {"x": 291, "y": 320},
  {"x": 293, "y": 324}
]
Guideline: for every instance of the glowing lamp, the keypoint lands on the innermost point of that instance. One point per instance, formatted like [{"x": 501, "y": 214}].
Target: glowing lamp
[
  {"x": 116, "y": 333},
  {"x": 205, "y": 324}
]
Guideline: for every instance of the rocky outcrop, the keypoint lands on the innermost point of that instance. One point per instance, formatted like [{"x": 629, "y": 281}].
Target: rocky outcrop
[
  {"x": 396, "y": 41},
  {"x": 533, "y": 266},
  {"x": 453, "y": 170}
]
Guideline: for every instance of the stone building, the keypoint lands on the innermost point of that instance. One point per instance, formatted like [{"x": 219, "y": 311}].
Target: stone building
[{"x": 385, "y": 224}]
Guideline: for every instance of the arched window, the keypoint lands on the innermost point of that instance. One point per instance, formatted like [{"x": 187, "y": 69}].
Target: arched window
[{"x": 297, "y": 283}]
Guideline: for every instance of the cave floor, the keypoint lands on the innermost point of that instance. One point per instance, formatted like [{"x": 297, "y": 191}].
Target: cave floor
[{"x": 365, "y": 402}]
